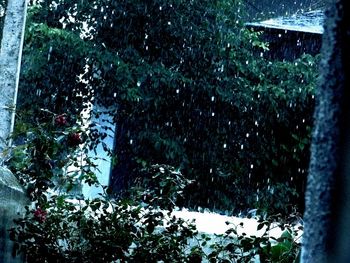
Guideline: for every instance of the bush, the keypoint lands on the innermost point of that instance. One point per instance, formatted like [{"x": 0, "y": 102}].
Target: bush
[{"x": 60, "y": 226}]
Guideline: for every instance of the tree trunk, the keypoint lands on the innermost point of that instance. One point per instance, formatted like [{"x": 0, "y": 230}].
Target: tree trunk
[{"x": 327, "y": 234}]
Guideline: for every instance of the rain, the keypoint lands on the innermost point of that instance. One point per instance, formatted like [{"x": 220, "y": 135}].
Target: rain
[{"x": 222, "y": 109}]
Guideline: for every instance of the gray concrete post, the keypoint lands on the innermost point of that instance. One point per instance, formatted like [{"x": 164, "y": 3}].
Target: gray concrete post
[
  {"x": 12, "y": 196},
  {"x": 10, "y": 63}
]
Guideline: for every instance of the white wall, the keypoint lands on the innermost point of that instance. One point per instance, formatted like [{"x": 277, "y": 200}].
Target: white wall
[{"x": 102, "y": 160}]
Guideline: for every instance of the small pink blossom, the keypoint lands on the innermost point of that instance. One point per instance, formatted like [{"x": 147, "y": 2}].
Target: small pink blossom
[
  {"x": 40, "y": 215},
  {"x": 61, "y": 120}
]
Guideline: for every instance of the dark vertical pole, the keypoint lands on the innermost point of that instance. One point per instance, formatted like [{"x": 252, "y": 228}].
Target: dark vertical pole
[{"x": 327, "y": 215}]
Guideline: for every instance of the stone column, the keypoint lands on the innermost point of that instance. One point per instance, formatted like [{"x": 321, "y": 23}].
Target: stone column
[
  {"x": 12, "y": 197},
  {"x": 10, "y": 62},
  {"x": 326, "y": 236}
]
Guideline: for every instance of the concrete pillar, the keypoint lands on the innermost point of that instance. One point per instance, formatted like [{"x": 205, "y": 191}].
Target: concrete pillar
[
  {"x": 10, "y": 63},
  {"x": 12, "y": 197}
]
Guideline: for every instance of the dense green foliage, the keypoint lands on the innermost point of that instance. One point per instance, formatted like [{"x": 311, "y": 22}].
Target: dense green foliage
[
  {"x": 186, "y": 89},
  {"x": 58, "y": 227}
]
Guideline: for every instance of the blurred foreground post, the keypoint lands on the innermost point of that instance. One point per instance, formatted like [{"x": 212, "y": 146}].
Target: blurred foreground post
[
  {"x": 12, "y": 197},
  {"x": 327, "y": 216}
]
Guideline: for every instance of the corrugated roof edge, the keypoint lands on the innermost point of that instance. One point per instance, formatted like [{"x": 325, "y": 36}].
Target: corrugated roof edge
[{"x": 308, "y": 22}]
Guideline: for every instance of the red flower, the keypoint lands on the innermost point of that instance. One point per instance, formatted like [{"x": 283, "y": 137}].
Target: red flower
[
  {"x": 40, "y": 215},
  {"x": 74, "y": 139},
  {"x": 61, "y": 120}
]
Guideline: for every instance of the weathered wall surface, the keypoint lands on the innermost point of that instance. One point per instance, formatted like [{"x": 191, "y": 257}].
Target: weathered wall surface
[{"x": 326, "y": 220}]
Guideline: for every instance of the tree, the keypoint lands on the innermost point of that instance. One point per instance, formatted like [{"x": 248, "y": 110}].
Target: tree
[
  {"x": 327, "y": 199},
  {"x": 187, "y": 89}
]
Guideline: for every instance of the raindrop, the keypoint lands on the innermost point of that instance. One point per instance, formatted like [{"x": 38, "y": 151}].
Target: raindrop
[
  {"x": 303, "y": 120},
  {"x": 242, "y": 146},
  {"x": 251, "y": 166},
  {"x": 225, "y": 145},
  {"x": 169, "y": 23},
  {"x": 131, "y": 141},
  {"x": 160, "y": 8},
  {"x": 177, "y": 91},
  {"x": 49, "y": 54},
  {"x": 114, "y": 94},
  {"x": 247, "y": 135},
  {"x": 247, "y": 62},
  {"x": 213, "y": 114},
  {"x": 211, "y": 170},
  {"x": 138, "y": 84},
  {"x": 256, "y": 123},
  {"x": 279, "y": 35},
  {"x": 212, "y": 98}
]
